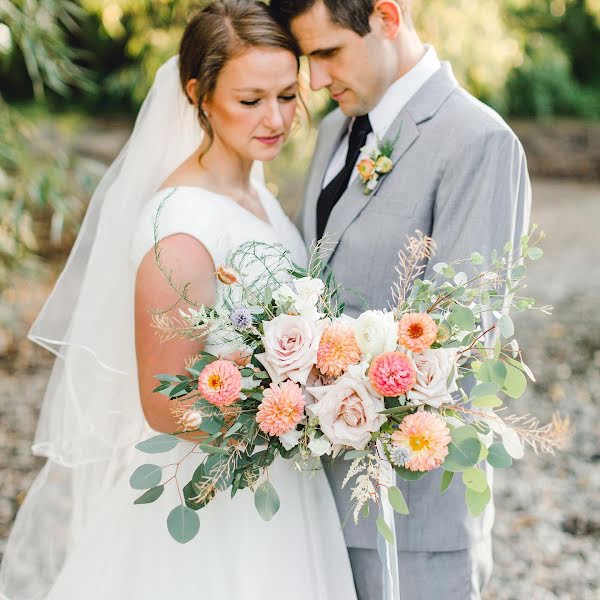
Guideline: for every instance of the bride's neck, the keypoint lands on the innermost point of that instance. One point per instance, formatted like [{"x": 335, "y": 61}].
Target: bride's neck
[{"x": 227, "y": 171}]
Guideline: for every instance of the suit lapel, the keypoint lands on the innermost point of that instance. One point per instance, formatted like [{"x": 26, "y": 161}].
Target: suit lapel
[
  {"x": 330, "y": 135},
  {"x": 419, "y": 109},
  {"x": 354, "y": 200}
]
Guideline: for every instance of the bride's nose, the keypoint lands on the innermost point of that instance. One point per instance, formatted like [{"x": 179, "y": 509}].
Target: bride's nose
[{"x": 273, "y": 117}]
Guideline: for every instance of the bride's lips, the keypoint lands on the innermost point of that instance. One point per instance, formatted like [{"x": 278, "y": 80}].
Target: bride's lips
[{"x": 270, "y": 141}]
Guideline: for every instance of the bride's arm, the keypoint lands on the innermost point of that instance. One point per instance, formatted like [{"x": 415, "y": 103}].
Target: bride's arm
[{"x": 189, "y": 262}]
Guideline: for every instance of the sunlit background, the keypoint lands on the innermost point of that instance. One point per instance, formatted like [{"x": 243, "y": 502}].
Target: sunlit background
[{"x": 73, "y": 74}]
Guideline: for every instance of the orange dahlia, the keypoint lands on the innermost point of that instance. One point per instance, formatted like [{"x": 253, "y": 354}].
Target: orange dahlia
[
  {"x": 426, "y": 436},
  {"x": 338, "y": 350},
  {"x": 282, "y": 408},
  {"x": 417, "y": 331},
  {"x": 220, "y": 383}
]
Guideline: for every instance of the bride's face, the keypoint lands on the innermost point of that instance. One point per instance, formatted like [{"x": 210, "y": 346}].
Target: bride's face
[{"x": 254, "y": 103}]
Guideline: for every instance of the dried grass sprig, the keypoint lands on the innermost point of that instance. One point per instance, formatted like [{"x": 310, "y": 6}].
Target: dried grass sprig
[{"x": 418, "y": 249}]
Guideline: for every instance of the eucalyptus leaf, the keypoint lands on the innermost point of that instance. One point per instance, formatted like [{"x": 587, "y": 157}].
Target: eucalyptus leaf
[
  {"x": 151, "y": 495},
  {"x": 183, "y": 524},
  {"x": 397, "y": 501},
  {"x": 352, "y": 454},
  {"x": 506, "y": 326},
  {"x": 475, "y": 479},
  {"x": 463, "y": 317},
  {"x": 498, "y": 457},
  {"x": 447, "y": 478},
  {"x": 463, "y": 450},
  {"x": 146, "y": 477},
  {"x": 492, "y": 371},
  {"x": 477, "y": 259},
  {"x": 384, "y": 530},
  {"x": 477, "y": 501},
  {"x": 515, "y": 383},
  {"x": 266, "y": 501},
  {"x": 408, "y": 475},
  {"x": 535, "y": 253},
  {"x": 484, "y": 389},
  {"x": 158, "y": 444},
  {"x": 487, "y": 402}
]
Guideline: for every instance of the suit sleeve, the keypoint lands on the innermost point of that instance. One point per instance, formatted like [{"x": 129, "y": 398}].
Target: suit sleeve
[{"x": 483, "y": 199}]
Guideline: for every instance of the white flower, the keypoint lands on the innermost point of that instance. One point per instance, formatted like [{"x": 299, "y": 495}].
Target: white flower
[
  {"x": 376, "y": 332},
  {"x": 191, "y": 420},
  {"x": 290, "y": 439},
  {"x": 319, "y": 446},
  {"x": 347, "y": 411},
  {"x": 372, "y": 183},
  {"x": 284, "y": 296},
  {"x": 309, "y": 292},
  {"x": 433, "y": 369},
  {"x": 291, "y": 344}
]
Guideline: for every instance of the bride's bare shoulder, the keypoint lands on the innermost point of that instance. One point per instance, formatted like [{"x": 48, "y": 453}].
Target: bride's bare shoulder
[{"x": 187, "y": 174}]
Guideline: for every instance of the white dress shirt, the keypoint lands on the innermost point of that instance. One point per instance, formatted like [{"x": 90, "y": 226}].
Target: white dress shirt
[{"x": 384, "y": 114}]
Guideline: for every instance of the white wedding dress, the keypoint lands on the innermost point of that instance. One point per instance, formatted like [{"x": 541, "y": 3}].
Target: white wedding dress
[{"x": 126, "y": 553}]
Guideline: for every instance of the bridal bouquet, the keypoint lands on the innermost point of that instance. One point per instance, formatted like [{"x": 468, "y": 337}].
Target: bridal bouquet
[{"x": 406, "y": 390}]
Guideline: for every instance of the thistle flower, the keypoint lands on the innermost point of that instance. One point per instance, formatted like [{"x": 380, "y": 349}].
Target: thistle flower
[
  {"x": 338, "y": 350},
  {"x": 282, "y": 408},
  {"x": 426, "y": 436},
  {"x": 241, "y": 317},
  {"x": 417, "y": 331},
  {"x": 399, "y": 455},
  {"x": 392, "y": 374},
  {"x": 220, "y": 383}
]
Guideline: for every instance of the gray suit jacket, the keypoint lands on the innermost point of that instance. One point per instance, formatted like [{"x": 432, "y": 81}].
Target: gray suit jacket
[{"x": 460, "y": 175}]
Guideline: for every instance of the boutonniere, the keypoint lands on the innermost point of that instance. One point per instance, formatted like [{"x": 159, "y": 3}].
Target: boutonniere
[{"x": 377, "y": 164}]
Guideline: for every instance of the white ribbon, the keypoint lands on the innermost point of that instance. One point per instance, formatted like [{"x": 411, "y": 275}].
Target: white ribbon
[{"x": 387, "y": 553}]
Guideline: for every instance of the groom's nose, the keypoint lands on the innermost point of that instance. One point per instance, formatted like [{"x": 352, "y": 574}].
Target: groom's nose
[{"x": 319, "y": 75}]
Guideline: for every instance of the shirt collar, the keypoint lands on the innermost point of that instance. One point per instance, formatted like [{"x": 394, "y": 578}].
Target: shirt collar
[{"x": 402, "y": 90}]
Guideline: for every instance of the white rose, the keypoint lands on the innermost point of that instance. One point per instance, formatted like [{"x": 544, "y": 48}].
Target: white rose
[
  {"x": 284, "y": 296},
  {"x": 433, "y": 369},
  {"x": 291, "y": 344},
  {"x": 291, "y": 439},
  {"x": 319, "y": 446},
  {"x": 309, "y": 291},
  {"x": 347, "y": 411},
  {"x": 376, "y": 332}
]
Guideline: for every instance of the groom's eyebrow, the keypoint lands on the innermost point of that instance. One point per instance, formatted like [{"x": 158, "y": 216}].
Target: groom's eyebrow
[{"x": 324, "y": 51}]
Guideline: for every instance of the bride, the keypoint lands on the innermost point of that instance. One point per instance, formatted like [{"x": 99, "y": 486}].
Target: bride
[{"x": 227, "y": 103}]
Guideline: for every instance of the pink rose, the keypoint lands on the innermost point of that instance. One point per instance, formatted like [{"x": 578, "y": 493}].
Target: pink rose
[
  {"x": 348, "y": 412},
  {"x": 433, "y": 370},
  {"x": 291, "y": 344}
]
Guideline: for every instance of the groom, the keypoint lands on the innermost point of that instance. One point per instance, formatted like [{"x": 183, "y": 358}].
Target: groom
[{"x": 459, "y": 176}]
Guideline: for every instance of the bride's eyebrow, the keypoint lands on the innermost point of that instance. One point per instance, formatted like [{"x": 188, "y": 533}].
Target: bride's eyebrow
[{"x": 261, "y": 91}]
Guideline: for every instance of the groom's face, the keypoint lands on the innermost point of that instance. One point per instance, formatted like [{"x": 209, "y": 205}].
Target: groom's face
[{"x": 356, "y": 70}]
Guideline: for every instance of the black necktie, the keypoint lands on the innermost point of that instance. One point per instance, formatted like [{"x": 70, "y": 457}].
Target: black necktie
[{"x": 337, "y": 186}]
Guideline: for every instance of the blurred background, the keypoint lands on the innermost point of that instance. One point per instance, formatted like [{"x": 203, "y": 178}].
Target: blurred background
[{"x": 73, "y": 74}]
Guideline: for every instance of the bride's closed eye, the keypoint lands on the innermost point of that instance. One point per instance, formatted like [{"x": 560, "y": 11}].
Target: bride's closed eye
[{"x": 286, "y": 98}]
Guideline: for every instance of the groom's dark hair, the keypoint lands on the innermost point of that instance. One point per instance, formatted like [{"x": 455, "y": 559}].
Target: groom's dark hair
[{"x": 351, "y": 14}]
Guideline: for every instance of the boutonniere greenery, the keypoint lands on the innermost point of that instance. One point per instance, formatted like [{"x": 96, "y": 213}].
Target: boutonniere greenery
[{"x": 377, "y": 164}]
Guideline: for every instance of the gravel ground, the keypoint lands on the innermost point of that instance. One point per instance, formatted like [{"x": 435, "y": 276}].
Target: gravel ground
[{"x": 547, "y": 533}]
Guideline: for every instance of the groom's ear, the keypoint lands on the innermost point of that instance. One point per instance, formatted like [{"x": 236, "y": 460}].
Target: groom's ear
[{"x": 390, "y": 16}]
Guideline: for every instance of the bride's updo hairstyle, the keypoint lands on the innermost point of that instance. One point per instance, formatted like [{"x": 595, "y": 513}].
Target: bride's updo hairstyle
[{"x": 219, "y": 32}]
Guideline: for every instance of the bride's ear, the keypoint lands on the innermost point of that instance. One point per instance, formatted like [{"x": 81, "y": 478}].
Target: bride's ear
[{"x": 191, "y": 89}]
